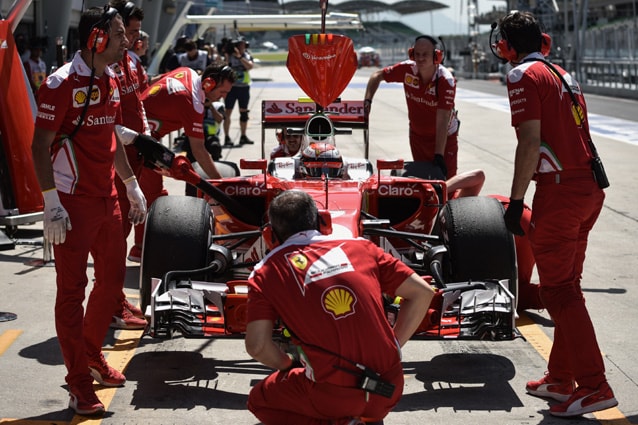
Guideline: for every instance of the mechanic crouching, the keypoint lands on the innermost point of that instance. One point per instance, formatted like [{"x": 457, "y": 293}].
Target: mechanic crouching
[{"x": 328, "y": 293}]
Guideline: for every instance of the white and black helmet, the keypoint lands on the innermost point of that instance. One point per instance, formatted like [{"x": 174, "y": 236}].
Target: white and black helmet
[{"x": 321, "y": 159}]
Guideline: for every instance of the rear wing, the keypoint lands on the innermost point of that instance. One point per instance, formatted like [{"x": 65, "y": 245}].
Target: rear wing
[{"x": 345, "y": 115}]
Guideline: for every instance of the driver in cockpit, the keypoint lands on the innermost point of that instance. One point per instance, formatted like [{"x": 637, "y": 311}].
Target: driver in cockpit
[{"x": 290, "y": 143}]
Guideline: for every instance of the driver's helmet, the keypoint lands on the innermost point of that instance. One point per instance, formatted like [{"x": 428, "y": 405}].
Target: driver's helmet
[
  {"x": 319, "y": 129},
  {"x": 321, "y": 158}
]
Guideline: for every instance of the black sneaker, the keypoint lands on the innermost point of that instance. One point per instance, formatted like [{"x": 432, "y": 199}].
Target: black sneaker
[
  {"x": 243, "y": 140},
  {"x": 228, "y": 143}
]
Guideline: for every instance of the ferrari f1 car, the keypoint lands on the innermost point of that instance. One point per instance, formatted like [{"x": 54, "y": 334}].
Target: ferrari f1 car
[{"x": 199, "y": 251}]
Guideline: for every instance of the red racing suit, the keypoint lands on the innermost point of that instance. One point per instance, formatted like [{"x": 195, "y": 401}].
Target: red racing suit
[
  {"x": 423, "y": 98},
  {"x": 328, "y": 292},
  {"x": 566, "y": 204},
  {"x": 84, "y": 173},
  {"x": 133, "y": 81}
]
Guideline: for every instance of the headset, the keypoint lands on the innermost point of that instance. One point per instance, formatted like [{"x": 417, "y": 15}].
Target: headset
[
  {"x": 438, "y": 55},
  {"x": 504, "y": 50},
  {"x": 125, "y": 11},
  {"x": 209, "y": 83},
  {"x": 98, "y": 39}
]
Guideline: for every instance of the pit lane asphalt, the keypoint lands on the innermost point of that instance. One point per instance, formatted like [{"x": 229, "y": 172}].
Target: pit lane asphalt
[{"x": 199, "y": 381}]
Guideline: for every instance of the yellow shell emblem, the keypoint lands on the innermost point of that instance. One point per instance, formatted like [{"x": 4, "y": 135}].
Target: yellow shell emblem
[
  {"x": 339, "y": 301},
  {"x": 299, "y": 261},
  {"x": 80, "y": 97}
]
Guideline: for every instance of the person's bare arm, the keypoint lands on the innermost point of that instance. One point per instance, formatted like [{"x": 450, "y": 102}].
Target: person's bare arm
[
  {"x": 442, "y": 122},
  {"x": 528, "y": 134},
  {"x": 203, "y": 158},
  {"x": 373, "y": 84},
  {"x": 122, "y": 167},
  {"x": 260, "y": 346},
  {"x": 40, "y": 146},
  {"x": 416, "y": 296}
]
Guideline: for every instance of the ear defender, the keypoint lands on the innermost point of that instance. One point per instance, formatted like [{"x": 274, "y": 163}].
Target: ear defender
[
  {"x": 209, "y": 84},
  {"x": 505, "y": 50},
  {"x": 98, "y": 39},
  {"x": 438, "y": 55},
  {"x": 546, "y": 44}
]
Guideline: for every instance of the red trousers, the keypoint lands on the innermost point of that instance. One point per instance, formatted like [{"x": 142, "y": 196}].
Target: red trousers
[
  {"x": 422, "y": 149},
  {"x": 289, "y": 398},
  {"x": 152, "y": 187},
  {"x": 96, "y": 229},
  {"x": 528, "y": 292},
  {"x": 562, "y": 216}
]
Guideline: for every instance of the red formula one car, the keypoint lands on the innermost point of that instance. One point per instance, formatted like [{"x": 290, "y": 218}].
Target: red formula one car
[{"x": 198, "y": 252}]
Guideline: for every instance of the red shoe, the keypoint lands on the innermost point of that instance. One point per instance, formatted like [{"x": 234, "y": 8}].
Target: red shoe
[
  {"x": 85, "y": 402},
  {"x": 550, "y": 388},
  {"x": 126, "y": 320},
  {"x": 105, "y": 374},
  {"x": 135, "y": 254},
  {"x": 586, "y": 400},
  {"x": 133, "y": 309}
]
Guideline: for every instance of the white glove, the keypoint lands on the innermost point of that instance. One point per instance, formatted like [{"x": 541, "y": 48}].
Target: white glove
[
  {"x": 137, "y": 212},
  {"x": 56, "y": 219}
]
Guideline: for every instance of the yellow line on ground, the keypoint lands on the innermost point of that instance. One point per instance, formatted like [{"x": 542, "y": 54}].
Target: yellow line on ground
[
  {"x": 7, "y": 338},
  {"x": 543, "y": 344},
  {"x": 118, "y": 357}
]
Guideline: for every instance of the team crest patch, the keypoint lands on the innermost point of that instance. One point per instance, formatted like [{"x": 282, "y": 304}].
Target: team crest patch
[
  {"x": 79, "y": 96},
  {"x": 299, "y": 261},
  {"x": 339, "y": 301},
  {"x": 411, "y": 80}
]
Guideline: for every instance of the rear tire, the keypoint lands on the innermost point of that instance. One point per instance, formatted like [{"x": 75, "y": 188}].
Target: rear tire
[
  {"x": 176, "y": 237},
  {"x": 479, "y": 245}
]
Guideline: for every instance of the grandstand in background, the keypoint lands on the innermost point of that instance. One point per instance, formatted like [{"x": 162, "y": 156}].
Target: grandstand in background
[{"x": 599, "y": 44}]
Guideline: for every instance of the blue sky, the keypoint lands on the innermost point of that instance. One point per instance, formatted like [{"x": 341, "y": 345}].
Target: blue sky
[{"x": 452, "y": 20}]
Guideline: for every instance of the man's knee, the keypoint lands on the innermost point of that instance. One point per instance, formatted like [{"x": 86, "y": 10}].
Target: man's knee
[{"x": 243, "y": 116}]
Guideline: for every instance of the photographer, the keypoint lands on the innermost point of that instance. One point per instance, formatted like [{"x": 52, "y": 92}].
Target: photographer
[
  {"x": 328, "y": 292},
  {"x": 241, "y": 62}
]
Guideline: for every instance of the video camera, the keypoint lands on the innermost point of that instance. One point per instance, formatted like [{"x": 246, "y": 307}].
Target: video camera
[{"x": 228, "y": 45}]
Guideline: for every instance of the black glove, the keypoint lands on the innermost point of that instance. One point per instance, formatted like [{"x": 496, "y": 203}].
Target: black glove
[
  {"x": 439, "y": 161},
  {"x": 155, "y": 154},
  {"x": 513, "y": 217}
]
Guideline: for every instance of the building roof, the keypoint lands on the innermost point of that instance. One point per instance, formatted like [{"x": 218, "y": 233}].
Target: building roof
[{"x": 402, "y": 7}]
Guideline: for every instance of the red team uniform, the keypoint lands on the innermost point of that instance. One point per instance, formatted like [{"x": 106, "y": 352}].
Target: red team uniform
[
  {"x": 174, "y": 102},
  {"x": 566, "y": 205},
  {"x": 133, "y": 116},
  {"x": 84, "y": 171},
  {"x": 325, "y": 298},
  {"x": 423, "y": 99}
]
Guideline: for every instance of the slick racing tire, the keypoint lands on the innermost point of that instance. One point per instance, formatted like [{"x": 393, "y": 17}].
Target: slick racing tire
[
  {"x": 176, "y": 237},
  {"x": 478, "y": 243}
]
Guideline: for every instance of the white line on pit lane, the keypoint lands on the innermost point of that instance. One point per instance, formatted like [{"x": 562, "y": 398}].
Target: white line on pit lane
[{"x": 613, "y": 128}]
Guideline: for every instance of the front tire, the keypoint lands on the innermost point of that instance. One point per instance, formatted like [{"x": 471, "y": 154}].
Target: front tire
[
  {"x": 176, "y": 237},
  {"x": 479, "y": 245}
]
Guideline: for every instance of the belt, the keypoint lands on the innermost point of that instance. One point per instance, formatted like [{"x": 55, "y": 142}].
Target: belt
[{"x": 563, "y": 176}]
